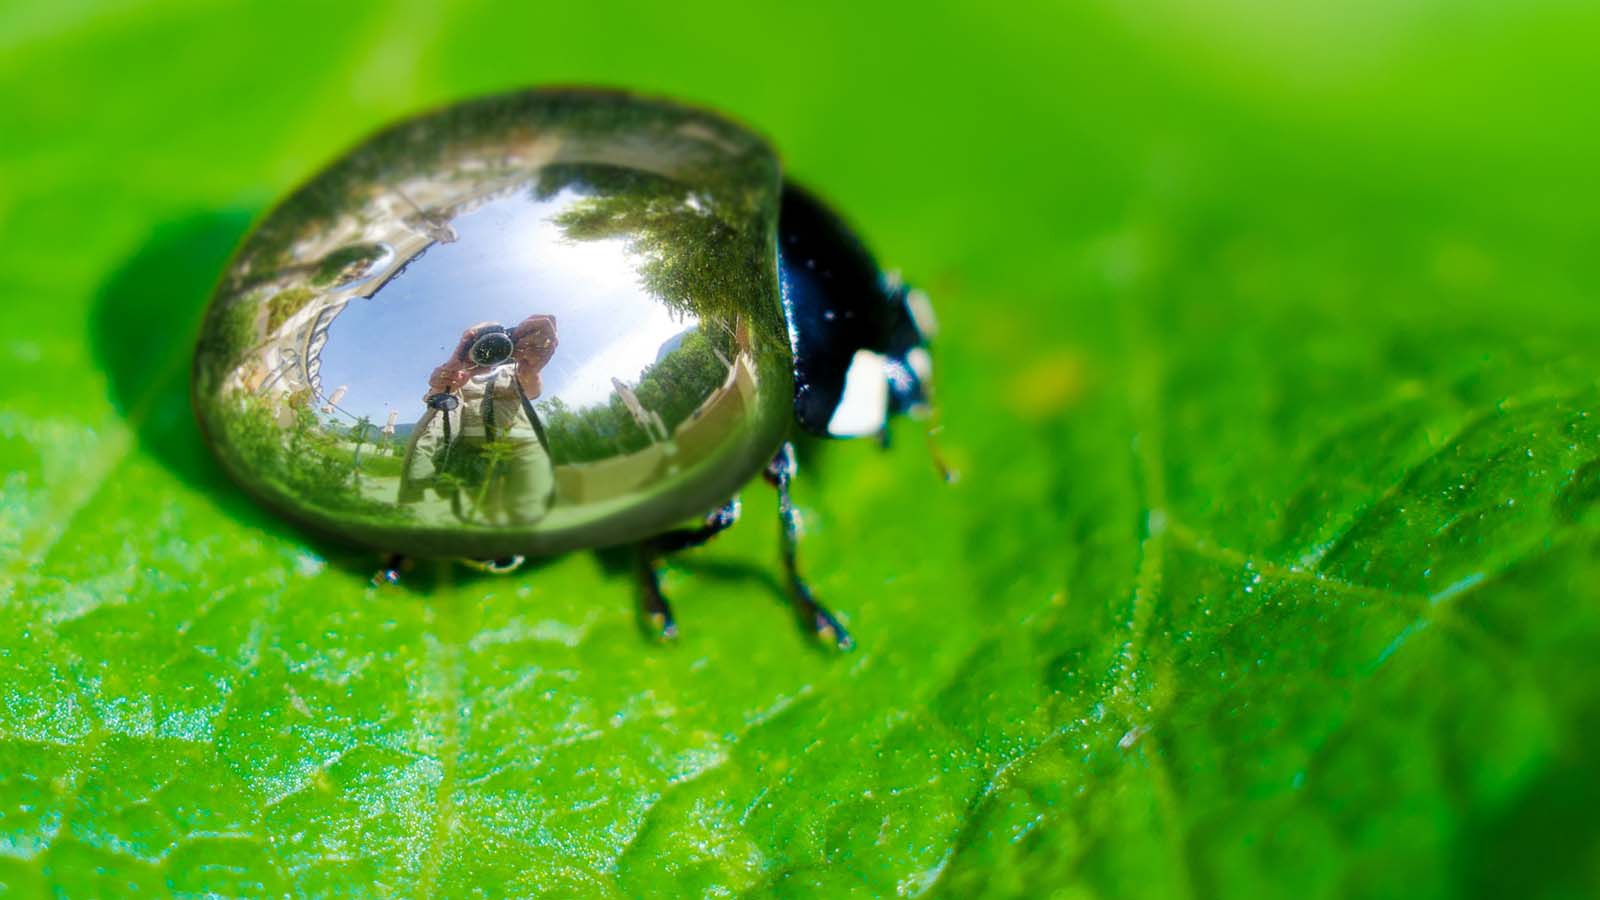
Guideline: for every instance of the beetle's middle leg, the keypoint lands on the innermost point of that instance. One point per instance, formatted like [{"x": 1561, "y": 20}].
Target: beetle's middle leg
[
  {"x": 653, "y": 604},
  {"x": 779, "y": 473}
]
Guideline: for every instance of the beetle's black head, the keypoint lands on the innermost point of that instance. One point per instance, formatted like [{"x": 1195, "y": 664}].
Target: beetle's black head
[{"x": 859, "y": 336}]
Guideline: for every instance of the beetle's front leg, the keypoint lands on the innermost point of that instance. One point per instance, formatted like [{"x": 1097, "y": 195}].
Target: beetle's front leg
[
  {"x": 653, "y": 606},
  {"x": 654, "y": 611},
  {"x": 779, "y": 473}
]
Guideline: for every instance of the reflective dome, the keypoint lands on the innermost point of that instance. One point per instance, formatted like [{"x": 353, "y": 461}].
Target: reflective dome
[{"x": 517, "y": 326}]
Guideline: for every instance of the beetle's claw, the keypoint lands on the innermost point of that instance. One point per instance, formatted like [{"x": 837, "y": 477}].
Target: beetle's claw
[
  {"x": 663, "y": 627},
  {"x": 823, "y": 623},
  {"x": 829, "y": 630}
]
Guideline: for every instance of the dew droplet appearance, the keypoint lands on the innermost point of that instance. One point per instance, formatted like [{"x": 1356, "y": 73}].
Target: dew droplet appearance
[{"x": 525, "y": 324}]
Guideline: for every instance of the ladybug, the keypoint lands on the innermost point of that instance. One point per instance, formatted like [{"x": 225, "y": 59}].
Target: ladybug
[{"x": 548, "y": 321}]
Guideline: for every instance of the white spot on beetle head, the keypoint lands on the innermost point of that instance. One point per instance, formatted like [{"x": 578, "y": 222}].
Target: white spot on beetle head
[
  {"x": 863, "y": 406},
  {"x": 921, "y": 362},
  {"x": 922, "y": 316}
]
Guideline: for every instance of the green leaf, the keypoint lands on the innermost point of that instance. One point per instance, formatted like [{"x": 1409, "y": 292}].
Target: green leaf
[{"x": 1268, "y": 358}]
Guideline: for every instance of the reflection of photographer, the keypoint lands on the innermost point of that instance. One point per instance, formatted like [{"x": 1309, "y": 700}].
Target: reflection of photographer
[{"x": 480, "y": 444}]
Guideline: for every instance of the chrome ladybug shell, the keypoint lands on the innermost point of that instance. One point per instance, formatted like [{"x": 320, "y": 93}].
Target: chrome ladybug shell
[{"x": 520, "y": 325}]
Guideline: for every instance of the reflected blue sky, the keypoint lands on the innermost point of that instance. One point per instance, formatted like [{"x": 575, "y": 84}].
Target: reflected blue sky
[{"x": 510, "y": 261}]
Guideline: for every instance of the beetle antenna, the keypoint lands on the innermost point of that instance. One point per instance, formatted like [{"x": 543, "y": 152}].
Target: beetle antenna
[
  {"x": 947, "y": 474},
  {"x": 928, "y": 410}
]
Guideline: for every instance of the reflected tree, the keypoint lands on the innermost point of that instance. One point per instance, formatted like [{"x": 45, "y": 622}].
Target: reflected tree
[
  {"x": 704, "y": 248},
  {"x": 359, "y": 433},
  {"x": 674, "y": 388},
  {"x": 305, "y": 457}
]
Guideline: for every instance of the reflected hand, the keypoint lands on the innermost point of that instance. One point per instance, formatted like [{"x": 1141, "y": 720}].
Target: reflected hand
[
  {"x": 455, "y": 371},
  {"x": 533, "y": 342}
]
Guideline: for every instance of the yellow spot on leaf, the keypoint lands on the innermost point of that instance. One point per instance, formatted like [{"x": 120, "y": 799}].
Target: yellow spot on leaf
[{"x": 1047, "y": 386}]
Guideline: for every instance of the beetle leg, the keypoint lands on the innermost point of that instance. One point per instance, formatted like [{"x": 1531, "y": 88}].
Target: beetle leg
[
  {"x": 390, "y": 573},
  {"x": 653, "y": 605},
  {"x": 717, "y": 522},
  {"x": 779, "y": 473}
]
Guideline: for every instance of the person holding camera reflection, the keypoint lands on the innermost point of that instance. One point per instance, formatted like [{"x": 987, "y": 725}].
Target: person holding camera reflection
[{"x": 480, "y": 444}]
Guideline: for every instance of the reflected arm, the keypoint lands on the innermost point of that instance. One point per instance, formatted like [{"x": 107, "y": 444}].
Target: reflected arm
[
  {"x": 417, "y": 469},
  {"x": 535, "y": 342}
]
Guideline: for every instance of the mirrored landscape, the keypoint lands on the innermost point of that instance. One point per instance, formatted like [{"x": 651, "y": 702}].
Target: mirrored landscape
[{"x": 536, "y": 324}]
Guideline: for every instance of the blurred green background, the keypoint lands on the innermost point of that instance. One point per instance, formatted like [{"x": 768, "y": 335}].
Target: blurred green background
[{"x": 1268, "y": 359}]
